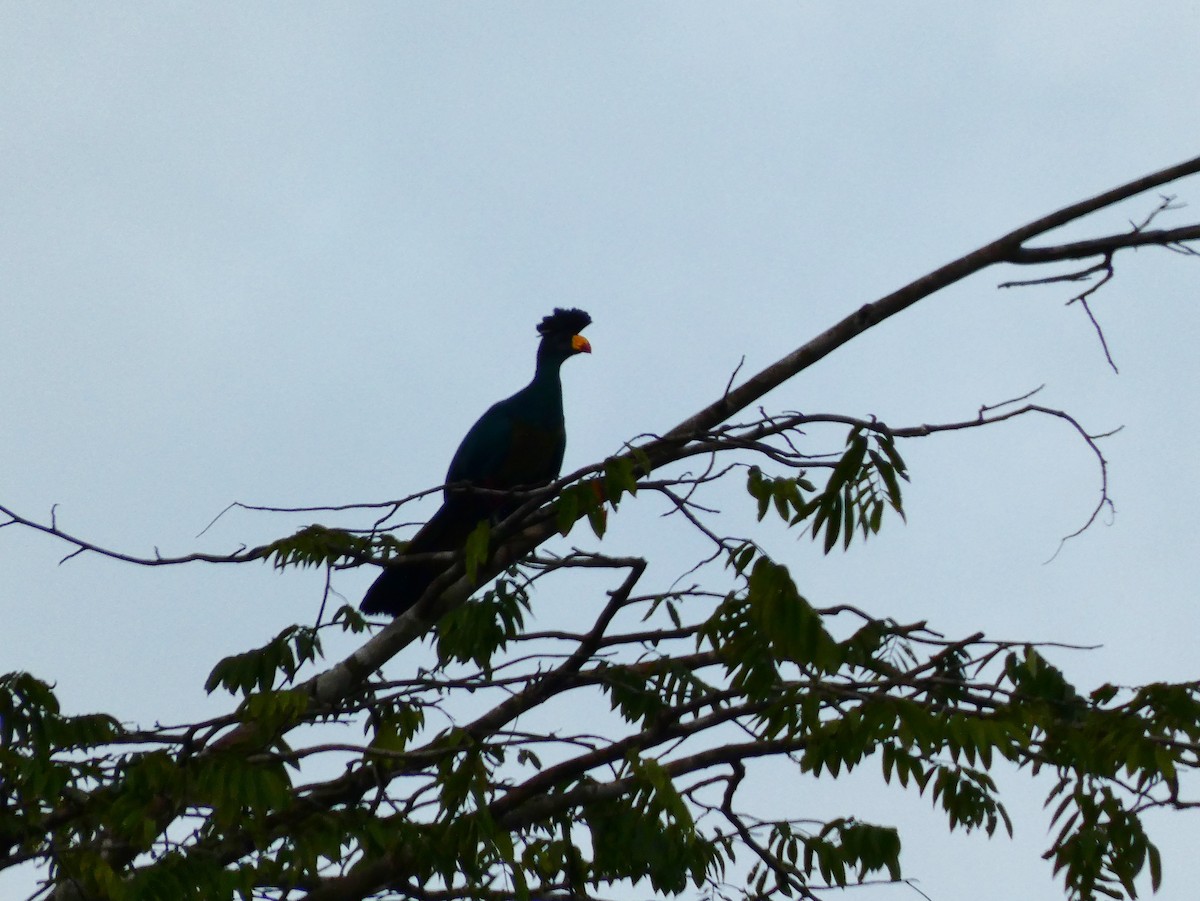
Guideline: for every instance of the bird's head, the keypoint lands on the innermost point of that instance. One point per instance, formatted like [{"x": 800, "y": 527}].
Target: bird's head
[{"x": 560, "y": 335}]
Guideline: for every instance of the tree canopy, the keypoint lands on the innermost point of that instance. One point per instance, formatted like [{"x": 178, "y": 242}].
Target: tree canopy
[{"x": 351, "y": 778}]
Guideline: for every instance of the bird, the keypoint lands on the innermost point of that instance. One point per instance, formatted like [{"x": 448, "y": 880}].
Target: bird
[{"x": 518, "y": 443}]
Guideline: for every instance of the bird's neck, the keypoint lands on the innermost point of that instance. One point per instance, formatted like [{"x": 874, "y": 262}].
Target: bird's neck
[{"x": 546, "y": 388}]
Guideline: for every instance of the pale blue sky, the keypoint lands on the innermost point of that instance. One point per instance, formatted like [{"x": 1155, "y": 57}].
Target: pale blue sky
[{"x": 287, "y": 254}]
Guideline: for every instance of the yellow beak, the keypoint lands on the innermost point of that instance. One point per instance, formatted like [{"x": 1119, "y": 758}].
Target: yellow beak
[{"x": 580, "y": 345}]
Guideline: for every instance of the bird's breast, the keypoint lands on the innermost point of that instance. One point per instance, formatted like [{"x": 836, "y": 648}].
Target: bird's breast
[{"x": 534, "y": 455}]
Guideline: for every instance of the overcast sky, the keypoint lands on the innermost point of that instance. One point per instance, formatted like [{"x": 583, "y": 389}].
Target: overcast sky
[{"x": 287, "y": 254}]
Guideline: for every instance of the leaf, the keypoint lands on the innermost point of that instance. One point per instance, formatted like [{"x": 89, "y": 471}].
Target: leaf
[
  {"x": 475, "y": 632},
  {"x": 743, "y": 557},
  {"x": 847, "y": 468},
  {"x": 476, "y": 550},
  {"x": 400, "y": 723},
  {"x": 1104, "y": 694},
  {"x": 620, "y": 477},
  {"x": 1155, "y": 861},
  {"x": 598, "y": 520},
  {"x": 566, "y": 510},
  {"x": 756, "y": 489},
  {"x": 275, "y": 711},
  {"x": 833, "y": 523},
  {"x": 848, "y": 530},
  {"x": 261, "y": 667},
  {"x": 318, "y": 545}
]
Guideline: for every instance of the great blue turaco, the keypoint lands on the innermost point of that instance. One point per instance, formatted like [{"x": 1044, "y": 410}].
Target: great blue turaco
[{"x": 518, "y": 443}]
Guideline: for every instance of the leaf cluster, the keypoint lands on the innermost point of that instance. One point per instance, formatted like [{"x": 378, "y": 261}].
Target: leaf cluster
[{"x": 863, "y": 482}]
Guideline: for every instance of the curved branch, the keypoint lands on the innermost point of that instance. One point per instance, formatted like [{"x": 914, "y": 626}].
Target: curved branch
[{"x": 871, "y": 314}]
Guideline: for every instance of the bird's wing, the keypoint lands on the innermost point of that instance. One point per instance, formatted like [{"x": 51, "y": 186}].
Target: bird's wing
[
  {"x": 506, "y": 449},
  {"x": 485, "y": 449}
]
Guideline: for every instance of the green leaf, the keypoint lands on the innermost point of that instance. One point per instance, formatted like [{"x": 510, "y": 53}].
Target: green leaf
[
  {"x": 598, "y": 520},
  {"x": 743, "y": 556},
  {"x": 620, "y": 477},
  {"x": 275, "y": 711},
  {"x": 396, "y": 726},
  {"x": 260, "y": 668},
  {"x": 847, "y": 468},
  {"x": 475, "y": 632},
  {"x": 566, "y": 509},
  {"x": 318, "y": 545},
  {"x": 757, "y": 489},
  {"x": 833, "y": 523},
  {"x": 476, "y": 549}
]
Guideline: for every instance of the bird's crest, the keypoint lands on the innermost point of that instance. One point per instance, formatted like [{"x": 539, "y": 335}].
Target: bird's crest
[{"x": 564, "y": 322}]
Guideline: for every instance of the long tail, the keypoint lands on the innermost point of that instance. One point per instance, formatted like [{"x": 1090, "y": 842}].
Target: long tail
[{"x": 400, "y": 586}]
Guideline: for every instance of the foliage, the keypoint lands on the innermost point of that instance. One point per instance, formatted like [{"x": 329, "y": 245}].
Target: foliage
[
  {"x": 465, "y": 780},
  {"x": 477, "y": 809}
]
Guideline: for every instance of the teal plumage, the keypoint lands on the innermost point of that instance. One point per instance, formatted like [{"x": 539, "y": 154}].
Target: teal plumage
[{"x": 518, "y": 443}]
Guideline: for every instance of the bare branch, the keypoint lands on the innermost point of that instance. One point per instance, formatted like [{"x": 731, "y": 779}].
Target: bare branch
[{"x": 82, "y": 546}]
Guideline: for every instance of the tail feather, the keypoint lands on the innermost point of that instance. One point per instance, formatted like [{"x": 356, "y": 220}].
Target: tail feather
[{"x": 400, "y": 586}]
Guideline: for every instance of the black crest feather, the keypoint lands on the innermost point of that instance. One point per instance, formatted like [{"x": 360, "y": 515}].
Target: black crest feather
[{"x": 564, "y": 322}]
